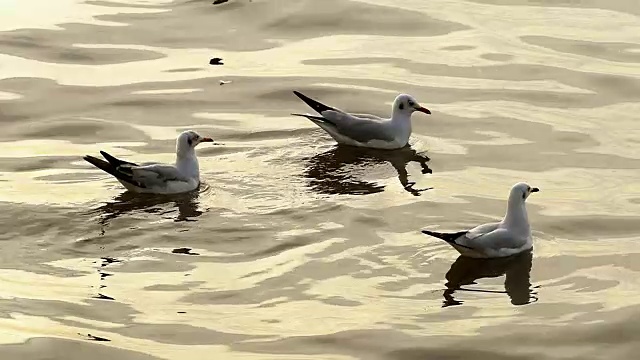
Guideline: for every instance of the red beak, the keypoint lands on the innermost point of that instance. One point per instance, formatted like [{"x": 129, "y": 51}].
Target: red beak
[
  {"x": 424, "y": 110},
  {"x": 206, "y": 139}
]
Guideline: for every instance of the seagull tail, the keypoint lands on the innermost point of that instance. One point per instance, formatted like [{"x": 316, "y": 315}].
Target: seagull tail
[
  {"x": 448, "y": 237},
  {"x": 110, "y": 169},
  {"x": 315, "y": 105},
  {"x": 115, "y": 161}
]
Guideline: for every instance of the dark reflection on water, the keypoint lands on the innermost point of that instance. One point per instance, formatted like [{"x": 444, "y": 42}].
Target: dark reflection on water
[
  {"x": 335, "y": 171},
  {"x": 516, "y": 268},
  {"x": 186, "y": 205}
]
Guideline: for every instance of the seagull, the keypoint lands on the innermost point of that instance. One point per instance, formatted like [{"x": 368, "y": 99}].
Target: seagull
[
  {"x": 366, "y": 130},
  {"x": 510, "y": 236},
  {"x": 154, "y": 178}
]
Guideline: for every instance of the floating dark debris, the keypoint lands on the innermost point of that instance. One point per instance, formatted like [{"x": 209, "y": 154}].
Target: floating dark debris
[
  {"x": 182, "y": 312},
  {"x": 103, "y": 297},
  {"x": 94, "y": 338},
  {"x": 108, "y": 260},
  {"x": 186, "y": 251},
  {"x": 216, "y": 61},
  {"x": 217, "y": 2}
]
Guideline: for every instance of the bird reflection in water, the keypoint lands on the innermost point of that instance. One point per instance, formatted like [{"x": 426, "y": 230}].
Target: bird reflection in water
[
  {"x": 516, "y": 268},
  {"x": 334, "y": 171},
  {"x": 186, "y": 205}
]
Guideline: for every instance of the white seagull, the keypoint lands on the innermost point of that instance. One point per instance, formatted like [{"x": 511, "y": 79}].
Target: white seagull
[
  {"x": 510, "y": 236},
  {"x": 366, "y": 130},
  {"x": 157, "y": 178}
]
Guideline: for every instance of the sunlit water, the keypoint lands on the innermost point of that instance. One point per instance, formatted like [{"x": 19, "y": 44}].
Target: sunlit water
[{"x": 294, "y": 248}]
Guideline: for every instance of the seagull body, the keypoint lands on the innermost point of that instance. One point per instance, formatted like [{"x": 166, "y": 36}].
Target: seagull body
[
  {"x": 154, "y": 178},
  {"x": 366, "y": 130},
  {"x": 510, "y": 236}
]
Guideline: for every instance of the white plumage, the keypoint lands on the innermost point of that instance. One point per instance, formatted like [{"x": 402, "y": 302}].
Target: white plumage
[
  {"x": 510, "y": 236},
  {"x": 366, "y": 130},
  {"x": 156, "y": 178}
]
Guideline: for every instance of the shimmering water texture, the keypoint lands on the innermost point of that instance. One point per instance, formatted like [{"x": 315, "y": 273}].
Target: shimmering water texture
[{"x": 294, "y": 248}]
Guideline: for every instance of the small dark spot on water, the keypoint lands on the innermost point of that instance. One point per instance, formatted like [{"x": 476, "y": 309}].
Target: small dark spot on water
[
  {"x": 186, "y": 251},
  {"x": 108, "y": 260},
  {"x": 182, "y": 312},
  {"x": 217, "y": 2},
  {"x": 103, "y": 297},
  {"x": 94, "y": 337},
  {"x": 104, "y": 275},
  {"x": 216, "y": 61}
]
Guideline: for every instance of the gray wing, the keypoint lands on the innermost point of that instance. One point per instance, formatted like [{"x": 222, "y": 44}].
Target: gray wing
[
  {"x": 154, "y": 175},
  {"x": 498, "y": 238},
  {"x": 481, "y": 230},
  {"x": 368, "y": 116},
  {"x": 362, "y": 129}
]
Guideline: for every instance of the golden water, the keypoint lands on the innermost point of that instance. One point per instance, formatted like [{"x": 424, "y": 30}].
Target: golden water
[{"x": 294, "y": 248}]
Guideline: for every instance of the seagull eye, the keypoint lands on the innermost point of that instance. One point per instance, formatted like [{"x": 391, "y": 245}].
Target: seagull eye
[
  {"x": 401, "y": 106},
  {"x": 411, "y": 103}
]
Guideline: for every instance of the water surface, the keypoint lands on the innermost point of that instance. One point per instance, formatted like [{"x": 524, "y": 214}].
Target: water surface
[{"x": 294, "y": 248}]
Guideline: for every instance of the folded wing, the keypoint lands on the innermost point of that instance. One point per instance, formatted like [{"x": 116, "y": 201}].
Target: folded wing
[
  {"x": 146, "y": 176},
  {"x": 362, "y": 128},
  {"x": 153, "y": 175}
]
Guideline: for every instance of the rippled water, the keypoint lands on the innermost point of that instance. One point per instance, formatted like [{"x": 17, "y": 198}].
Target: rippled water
[{"x": 294, "y": 248}]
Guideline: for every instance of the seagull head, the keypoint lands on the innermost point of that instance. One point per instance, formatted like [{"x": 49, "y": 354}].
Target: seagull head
[
  {"x": 521, "y": 191},
  {"x": 189, "y": 139},
  {"x": 407, "y": 104}
]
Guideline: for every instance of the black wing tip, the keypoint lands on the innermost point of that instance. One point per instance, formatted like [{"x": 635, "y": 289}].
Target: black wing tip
[
  {"x": 114, "y": 160},
  {"x": 432, "y": 233},
  {"x": 302, "y": 96},
  {"x": 448, "y": 237},
  {"x": 314, "y": 104},
  {"x": 100, "y": 164},
  {"x": 111, "y": 169},
  {"x": 313, "y": 117}
]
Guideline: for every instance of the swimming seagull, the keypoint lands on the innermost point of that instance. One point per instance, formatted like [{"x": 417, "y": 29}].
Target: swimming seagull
[
  {"x": 157, "y": 178},
  {"x": 366, "y": 130},
  {"x": 510, "y": 236}
]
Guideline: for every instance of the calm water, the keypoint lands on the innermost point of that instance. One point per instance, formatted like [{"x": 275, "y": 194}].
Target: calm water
[{"x": 294, "y": 248}]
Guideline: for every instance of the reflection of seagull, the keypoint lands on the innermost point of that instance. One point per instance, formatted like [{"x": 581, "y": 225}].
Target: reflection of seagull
[
  {"x": 507, "y": 237},
  {"x": 366, "y": 130},
  {"x": 332, "y": 172},
  {"x": 517, "y": 268},
  {"x": 158, "y": 178},
  {"x": 127, "y": 202}
]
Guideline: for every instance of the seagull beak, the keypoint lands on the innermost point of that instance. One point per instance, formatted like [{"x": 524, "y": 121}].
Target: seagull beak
[
  {"x": 534, "y": 190},
  {"x": 206, "y": 139},
  {"x": 424, "y": 110}
]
